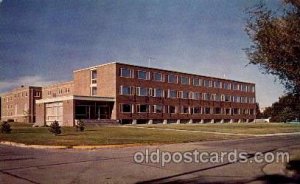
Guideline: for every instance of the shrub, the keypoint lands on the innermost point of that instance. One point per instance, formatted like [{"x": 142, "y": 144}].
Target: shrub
[
  {"x": 80, "y": 126},
  {"x": 55, "y": 128},
  {"x": 5, "y": 127}
]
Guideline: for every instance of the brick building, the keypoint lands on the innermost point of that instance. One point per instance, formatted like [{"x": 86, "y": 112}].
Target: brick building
[
  {"x": 135, "y": 94},
  {"x": 19, "y": 104}
]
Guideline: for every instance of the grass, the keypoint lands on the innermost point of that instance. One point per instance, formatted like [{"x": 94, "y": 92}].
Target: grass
[
  {"x": 116, "y": 135},
  {"x": 103, "y": 135},
  {"x": 243, "y": 128}
]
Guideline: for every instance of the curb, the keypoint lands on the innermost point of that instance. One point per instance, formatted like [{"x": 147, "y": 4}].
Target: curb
[
  {"x": 21, "y": 145},
  {"x": 81, "y": 147}
]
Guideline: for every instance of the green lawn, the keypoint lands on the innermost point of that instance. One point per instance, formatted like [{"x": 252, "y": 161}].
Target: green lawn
[
  {"x": 116, "y": 135},
  {"x": 103, "y": 135},
  {"x": 242, "y": 128}
]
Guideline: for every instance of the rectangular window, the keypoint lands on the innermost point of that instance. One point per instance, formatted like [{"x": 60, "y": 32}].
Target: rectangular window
[
  {"x": 125, "y": 90},
  {"x": 141, "y": 91},
  {"x": 158, "y": 109},
  {"x": 217, "y": 84},
  {"x": 171, "y": 109},
  {"x": 227, "y": 111},
  {"x": 206, "y": 96},
  {"x": 236, "y": 86},
  {"x": 126, "y": 108},
  {"x": 217, "y": 110},
  {"x": 93, "y": 76},
  {"x": 227, "y": 86},
  {"x": 207, "y": 110},
  {"x": 126, "y": 72},
  {"x": 227, "y": 98},
  {"x": 196, "y": 82},
  {"x": 197, "y": 110},
  {"x": 244, "y": 87},
  {"x": 184, "y": 80},
  {"x": 142, "y": 108},
  {"x": 207, "y": 83},
  {"x": 218, "y": 97},
  {"x": 172, "y": 78},
  {"x": 158, "y": 92},
  {"x": 37, "y": 94},
  {"x": 184, "y": 110},
  {"x": 94, "y": 91},
  {"x": 185, "y": 95},
  {"x": 236, "y": 99},
  {"x": 158, "y": 77},
  {"x": 197, "y": 96},
  {"x": 143, "y": 75},
  {"x": 172, "y": 94},
  {"x": 236, "y": 111}
]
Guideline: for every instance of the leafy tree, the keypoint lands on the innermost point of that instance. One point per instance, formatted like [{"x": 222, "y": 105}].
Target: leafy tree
[
  {"x": 55, "y": 128},
  {"x": 275, "y": 40},
  {"x": 5, "y": 127}
]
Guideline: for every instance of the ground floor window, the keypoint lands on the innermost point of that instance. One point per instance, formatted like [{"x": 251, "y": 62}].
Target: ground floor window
[
  {"x": 185, "y": 110},
  {"x": 141, "y": 108},
  {"x": 126, "y": 108},
  {"x": 172, "y": 109},
  {"x": 197, "y": 110},
  {"x": 158, "y": 109}
]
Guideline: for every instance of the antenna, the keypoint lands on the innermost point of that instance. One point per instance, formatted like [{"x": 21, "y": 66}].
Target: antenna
[{"x": 149, "y": 60}]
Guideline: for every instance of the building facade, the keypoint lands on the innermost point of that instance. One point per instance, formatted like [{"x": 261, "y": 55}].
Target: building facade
[
  {"x": 19, "y": 104},
  {"x": 136, "y": 94}
]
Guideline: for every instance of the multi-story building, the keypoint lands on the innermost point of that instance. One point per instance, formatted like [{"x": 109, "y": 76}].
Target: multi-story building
[
  {"x": 136, "y": 94},
  {"x": 19, "y": 104}
]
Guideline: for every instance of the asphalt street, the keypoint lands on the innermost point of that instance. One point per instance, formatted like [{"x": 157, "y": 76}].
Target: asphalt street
[{"x": 117, "y": 165}]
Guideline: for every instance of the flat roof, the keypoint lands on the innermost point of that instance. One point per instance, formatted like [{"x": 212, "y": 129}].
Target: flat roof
[
  {"x": 19, "y": 89},
  {"x": 166, "y": 70}
]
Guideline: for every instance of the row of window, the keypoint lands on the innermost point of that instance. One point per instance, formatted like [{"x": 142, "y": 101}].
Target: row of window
[
  {"x": 157, "y": 92},
  {"x": 195, "y": 81},
  {"x": 59, "y": 91},
  {"x": 145, "y": 108},
  {"x": 21, "y": 94}
]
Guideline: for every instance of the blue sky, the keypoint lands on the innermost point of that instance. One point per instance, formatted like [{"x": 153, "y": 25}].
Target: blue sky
[{"x": 42, "y": 42}]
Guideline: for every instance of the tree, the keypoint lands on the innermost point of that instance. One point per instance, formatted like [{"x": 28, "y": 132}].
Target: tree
[
  {"x": 275, "y": 40},
  {"x": 55, "y": 128},
  {"x": 5, "y": 127}
]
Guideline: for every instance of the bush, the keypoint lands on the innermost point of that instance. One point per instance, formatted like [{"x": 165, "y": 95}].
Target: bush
[
  {"x": 5, "y": 127},
  {"x": 80, "y": 126},
  {"x": 55, "y": 128}
]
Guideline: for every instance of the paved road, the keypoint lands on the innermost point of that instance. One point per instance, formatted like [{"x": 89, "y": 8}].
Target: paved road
[{"x": 116, "y": 165}]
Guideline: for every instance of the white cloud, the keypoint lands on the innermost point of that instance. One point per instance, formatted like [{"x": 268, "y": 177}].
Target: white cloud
[{"x": 26, "y": 81}]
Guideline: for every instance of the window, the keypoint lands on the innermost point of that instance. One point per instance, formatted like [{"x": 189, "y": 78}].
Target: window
[
  {"x": 142, "y": 91},
  {"x": 244, "y": 99},
  {"x": 158, "y": 109},
  {"x": 37, "y": 94},
  {"x": 185, "y": 110},
  {"x": 172, "y": 78},
  {"x": 126, "y": 108},
  {"x": 217, "y": 110},
  {"x": 252, "y": 89},
  {"x": 252, "y": 111},
  {"x": 172, "y": 94},
  {"x": 185, "y": 95},
  {"x": 185, "y": 80},
  {"x": 236, "y": 111},
  {"x": 236, "y": 99},
  {"x": 227, "y": 86},
  {"x": 94, "y": 91},
  {"x": 197, "y": 110},
  {"x": 207, "y": 110},
  {"x": 158, "y": 92},
  {"x": 251, "y": 100},
  {"x": 218, "y": 84},
  {"x": 218, "y": 97},
  {"x": 142, "y": 108},
  {"x": 196, "y": 96},
  {"x": 172, "y": 109},
  {"x": 94, "y": 76},
  {"x": 158, "y": 77},
  {"x": 206, "y": 96},
  {"x": 207, "y": 83},
  {"x": 227, "y": 111},
  {"x": 143, "y": 75},
  {"x": 244, "y": 87},
  {"x": 196, "y": 82},
  {"x": 125, "y": 90},
  {"x": 227, "y": 98},
  {"x": 236, "y": 86},
  {"x": 126, "y": 72}
]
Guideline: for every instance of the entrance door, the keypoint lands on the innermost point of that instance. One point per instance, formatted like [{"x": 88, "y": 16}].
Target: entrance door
[{"x": 103, "y": 112}]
